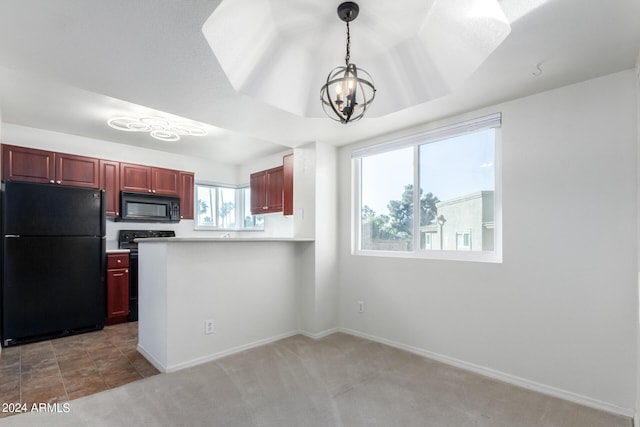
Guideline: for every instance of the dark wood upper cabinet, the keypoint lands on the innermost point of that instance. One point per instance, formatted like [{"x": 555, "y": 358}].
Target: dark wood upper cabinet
[
  {"x": 110, "y": 182},
  {"x": 78, "y": 171},
  {"x": 33, "y": 165},
  {"x": 146, "y": 179},
  {"x": 287, "y": 186},
  {"x": 186, "y": 195},
  {"x": 258, "y": 186},
  {"x": 266, "y": 191},
  {"x": 165, "y": 181},
  {"x": 27, "y": 164},
  {"x": 275, "y": 181},
  {"x": 136, "y": 178}
]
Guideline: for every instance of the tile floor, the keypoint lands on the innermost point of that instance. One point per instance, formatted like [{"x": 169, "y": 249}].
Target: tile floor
[{"x": 71, "y": 367}]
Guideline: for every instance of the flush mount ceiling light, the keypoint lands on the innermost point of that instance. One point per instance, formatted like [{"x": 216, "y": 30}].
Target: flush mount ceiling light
[
  {"x": 158, "y": 127},
  {"x": 353, "y": 93}
]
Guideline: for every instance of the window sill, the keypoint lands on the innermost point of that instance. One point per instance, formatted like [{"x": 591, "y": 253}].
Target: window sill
[{"x": 488, "y": 257}]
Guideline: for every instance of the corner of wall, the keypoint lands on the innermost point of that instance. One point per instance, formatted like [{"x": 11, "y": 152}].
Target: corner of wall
[{"x": 636, "y": 418}]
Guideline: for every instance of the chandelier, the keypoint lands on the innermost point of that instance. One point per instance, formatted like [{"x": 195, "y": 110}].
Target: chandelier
[{"x": 353, "y": 93}]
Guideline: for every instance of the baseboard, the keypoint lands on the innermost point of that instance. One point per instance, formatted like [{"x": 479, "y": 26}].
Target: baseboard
[
  {"x": 318, "y": 335},
  {"x": 155, "y": 362},
  {"x": 501, "y": 376},
  {"x": 227, "y": 352}
]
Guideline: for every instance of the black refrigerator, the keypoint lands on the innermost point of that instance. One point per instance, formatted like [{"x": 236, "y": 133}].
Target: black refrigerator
[{"x": 53, "y": 261}]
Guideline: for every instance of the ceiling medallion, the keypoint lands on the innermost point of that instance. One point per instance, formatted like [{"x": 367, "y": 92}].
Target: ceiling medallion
[
  {"x": 353, "y": 93},
  {"x": 158, "y": 127}
]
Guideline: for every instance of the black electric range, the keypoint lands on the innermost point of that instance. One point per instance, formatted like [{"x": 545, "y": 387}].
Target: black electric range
[{"x": 126, "y": 241}]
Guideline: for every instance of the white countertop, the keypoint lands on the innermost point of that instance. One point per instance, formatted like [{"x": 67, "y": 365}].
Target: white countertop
[
  {"x": 117, "y": 251},
  {"x": 221, "y": 239},
  {"x": 112, "y": 248}
]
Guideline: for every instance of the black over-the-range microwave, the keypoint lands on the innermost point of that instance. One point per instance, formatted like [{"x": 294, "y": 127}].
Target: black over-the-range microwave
[{"x": 143, "y": 207}]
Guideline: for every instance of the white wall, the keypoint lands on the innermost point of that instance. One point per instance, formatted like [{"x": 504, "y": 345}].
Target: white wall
[
  {"x": 247, "y": 288},
  {"x": 315, "y": 216},
  {"x": 559, "y": 313},
  {"x": 637, "y": 407},
  {"x": 326, "y": 260}
]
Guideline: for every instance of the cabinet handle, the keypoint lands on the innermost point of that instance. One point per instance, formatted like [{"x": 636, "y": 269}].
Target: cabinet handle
[
  {"x": 119, "y": 261},
  {"x": 58, "y": 182},
  {"x": 52, "y": 182},
  {"x": 118, "y": 274},
  {"x": 126, "y": 271},
  {"x": 264, "y": 208},
  {"x": 153, "y": 191},
  {"x": 149, "y": 190}
]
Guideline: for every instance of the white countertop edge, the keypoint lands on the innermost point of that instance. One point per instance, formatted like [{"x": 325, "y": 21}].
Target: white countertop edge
[
  {"x": 118, "y": 251},
  {"x": 221, "y": 239}
]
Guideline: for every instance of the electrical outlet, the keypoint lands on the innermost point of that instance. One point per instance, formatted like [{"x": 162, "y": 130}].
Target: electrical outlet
[
  {"x": 360, "y": 306},
  {"x": 208, "y": 326}
]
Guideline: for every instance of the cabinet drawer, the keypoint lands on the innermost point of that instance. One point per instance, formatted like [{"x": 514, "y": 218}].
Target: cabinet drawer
[{"x": 117, "y": 260}]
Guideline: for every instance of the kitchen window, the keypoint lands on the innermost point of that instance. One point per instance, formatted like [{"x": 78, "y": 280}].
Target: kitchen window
[
  {"x": 431, "y": 195},
  {"x": 222, "y": 207}
]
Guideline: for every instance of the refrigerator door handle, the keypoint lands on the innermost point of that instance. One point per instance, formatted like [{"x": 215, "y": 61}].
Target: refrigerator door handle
[{"x": 11, "y": 235}]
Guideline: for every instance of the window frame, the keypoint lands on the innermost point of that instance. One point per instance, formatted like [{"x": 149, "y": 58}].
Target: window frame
[
  {"x": 438, "y": 134},
  {"x": 239, "y": 208}
]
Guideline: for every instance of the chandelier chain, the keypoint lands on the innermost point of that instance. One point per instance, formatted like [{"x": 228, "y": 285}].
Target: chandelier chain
[{"x": 347, "y": 57}]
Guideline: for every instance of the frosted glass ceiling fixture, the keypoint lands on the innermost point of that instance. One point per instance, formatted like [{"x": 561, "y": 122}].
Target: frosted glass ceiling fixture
[
  {"x": 158, "y": 127},
  {"x": 353, "y": 94}
]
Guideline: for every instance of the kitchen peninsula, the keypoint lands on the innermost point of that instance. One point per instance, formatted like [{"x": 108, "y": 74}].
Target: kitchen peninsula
[{"x": 203, "y": 298}]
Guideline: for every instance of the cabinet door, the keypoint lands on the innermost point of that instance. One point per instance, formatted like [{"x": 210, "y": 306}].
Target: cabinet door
[
  {"x": 135, "y": 178},
  {"x": 287, "y": 186},
  {"x": 78, "y": 171},
  {"x": 110, "y": 182},
  {"x": 275, "y": 180},
  {"x": 258, "y": 187},
  {"x": 117, "y": 295},
  {"x": 27, "y": 164},
  {"x": 165, "y": 181},
  {"x": 186, "y": 195}
]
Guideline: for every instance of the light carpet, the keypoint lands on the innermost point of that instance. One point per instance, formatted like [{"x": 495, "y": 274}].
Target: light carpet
[{"x": 339, "y": 380}]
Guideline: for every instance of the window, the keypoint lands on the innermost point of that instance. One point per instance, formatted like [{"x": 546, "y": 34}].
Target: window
[
  {"x": 225, "y": 208},
  {"x": 463, "y": 241},
  {"x": 453, "y": 214}
]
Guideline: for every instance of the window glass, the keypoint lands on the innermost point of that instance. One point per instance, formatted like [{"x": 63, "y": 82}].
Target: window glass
[
  {"x": 225, "y": 207},
  {"x": 431, "y": 195},
  {"x": 206, "y": 205},
  {"x": 250, "y": 221},
  {"x": 457, "y": 183},
  {"x": 387, "y": 201}
]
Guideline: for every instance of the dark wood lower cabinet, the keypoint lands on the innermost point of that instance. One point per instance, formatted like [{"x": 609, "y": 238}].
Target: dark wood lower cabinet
[{"x": 117, "y": 288}]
